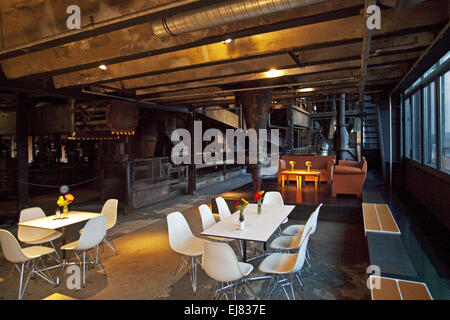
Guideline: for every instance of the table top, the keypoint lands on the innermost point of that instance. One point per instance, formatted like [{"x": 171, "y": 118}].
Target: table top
[
  {"x": 50, "y": 222},
  {"x": 258, "y": 227},
  {"x": 301, "y": 172}
]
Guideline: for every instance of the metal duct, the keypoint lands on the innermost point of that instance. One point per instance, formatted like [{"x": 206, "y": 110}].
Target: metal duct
[{"x": 223, "y": 13}]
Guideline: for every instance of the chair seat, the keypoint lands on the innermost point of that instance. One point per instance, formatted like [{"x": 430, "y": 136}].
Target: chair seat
[
  {"x": 37, "y": 251},
  {"x": 193, "y": 247},
  {"x": 279, "y": 263},
  {"x": 70, "y": 246},
  {"x": 50, "y": 237},
  {"x": 286, "y": 242},
  {"x": 294, "y": 230},
  {"x": 246, "y": 268}
]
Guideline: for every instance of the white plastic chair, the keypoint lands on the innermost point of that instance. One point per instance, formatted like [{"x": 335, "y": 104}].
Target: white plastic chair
[
  {"x": 33, "y": 236},
  {"x": 221, "y": 264},
  {"x": 183, "y": 241},
  {"x": 297, "y": 229},
  {"x": 208, "y": 221},
  {"x": 92, "y": 235},
  {"x": 17, "y": 255},
  {"x": 274, "y": 197},
  {"x": 293, "y": 242},
  {"x": 284, "y": 267},
  {"x": 222, "y": 207},
  {"x": 109, "y": 209}
]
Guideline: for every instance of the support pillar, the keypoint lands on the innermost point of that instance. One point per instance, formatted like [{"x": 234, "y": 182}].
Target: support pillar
[
  {"x": 256, "y": 106},
  {"x": 289, "y": 129},
  {"x": 341, "y": 134},
  {"x": 22, "y": 152}
]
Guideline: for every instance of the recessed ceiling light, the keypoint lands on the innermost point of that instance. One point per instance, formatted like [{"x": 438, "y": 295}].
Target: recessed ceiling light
[
  {"x": 227, "y": 41},
  {"x": 103, "y": 67},
  {"x": 273, "y": 73}
]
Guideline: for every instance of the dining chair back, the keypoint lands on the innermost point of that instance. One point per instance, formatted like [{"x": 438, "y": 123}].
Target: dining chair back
[
  {"x": 222, "y": 206},
  {"x": 206, "y": 216},
  {"x": 110, "y": 211},
  {"x": 93, "y": 233},
  {"x": 27, "y": 234},
  {"x": 315, "y": 218},
  {"x": 11, "y": 248},
  {"x": 301, "y": 257},
  {"x": 220, "y": 262},
  {"x": 179, "y": 231},
  {"x": 273, "y": 197}
]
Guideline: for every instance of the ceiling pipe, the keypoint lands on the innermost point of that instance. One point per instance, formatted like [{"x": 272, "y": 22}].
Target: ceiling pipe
[
  {"x": 223, "y": 13},
  {"x": 222, "y": 92},
  {"x": 141, "y": 103}
]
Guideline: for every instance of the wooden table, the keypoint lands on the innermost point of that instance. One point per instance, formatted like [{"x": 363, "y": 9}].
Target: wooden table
[
  {"x": 298, "y": 176},
  {"x": 258, "y": 227}
]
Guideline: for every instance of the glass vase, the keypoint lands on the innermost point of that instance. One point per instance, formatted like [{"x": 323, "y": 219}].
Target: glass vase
[
  {"x": 259, "y": 206},
  {"x": 65, "y": 212}
]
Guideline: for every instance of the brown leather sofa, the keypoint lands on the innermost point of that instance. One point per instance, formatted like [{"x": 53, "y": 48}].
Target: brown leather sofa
[
  {"x": 324, "y": 164},
  {"x": 349, "y": 177}
]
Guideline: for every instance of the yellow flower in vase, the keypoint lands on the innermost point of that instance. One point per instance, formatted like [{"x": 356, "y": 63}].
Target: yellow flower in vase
[
  {"x": 308, "y": 164},
  {"x": 292, "y": 163}
]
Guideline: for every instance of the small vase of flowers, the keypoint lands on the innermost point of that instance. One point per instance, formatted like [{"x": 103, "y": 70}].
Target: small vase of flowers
[
  {"x": 292, "y": 163},
  {"x": 308, "y": 164},
  {"x": 63, "y": 202},
  {"x": 258, "y": 199},
  {"x": 241, "y": 205}
]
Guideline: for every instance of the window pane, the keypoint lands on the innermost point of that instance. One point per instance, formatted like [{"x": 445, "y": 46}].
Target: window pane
[
  {"x": 416, "y": 129},
  {"x": 429, "y": 122},
  {"x": 445, "y": 121},
  {"x": 408, "y": 127}
]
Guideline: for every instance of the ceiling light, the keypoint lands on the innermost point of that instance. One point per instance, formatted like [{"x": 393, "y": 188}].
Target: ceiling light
[
  {"x": 273, "y": 73},
  {"x": 103, "y": 67},
  {"x": 306, "y": 90},
  {"x": 227, "y": 41}
]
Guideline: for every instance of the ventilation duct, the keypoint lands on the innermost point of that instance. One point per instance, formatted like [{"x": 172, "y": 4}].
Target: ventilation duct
[{"x": 223, "y": 13}]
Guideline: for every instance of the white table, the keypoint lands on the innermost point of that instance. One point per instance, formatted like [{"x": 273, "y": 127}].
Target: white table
[
  {"x": 50, "y": 222},
  {"x": 258, "y": 227}
]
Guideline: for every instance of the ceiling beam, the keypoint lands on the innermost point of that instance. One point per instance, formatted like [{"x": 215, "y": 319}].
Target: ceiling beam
[
  {"x": 319, "y": 34},
  {"x": 117, "y": 23},
  {"x": 138, "y": 41}
]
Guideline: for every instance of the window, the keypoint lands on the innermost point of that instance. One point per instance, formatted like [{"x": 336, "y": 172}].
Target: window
[
  {"x": 408, "y": 127},
  {"x": 445, "y": 121},
  {"x": 416, "y": 127},
  {"x": 429, "y": 124}
]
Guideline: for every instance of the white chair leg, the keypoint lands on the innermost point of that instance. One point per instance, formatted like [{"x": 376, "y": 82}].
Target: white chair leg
[
  {"x": 84, "y": 269},
  {"x": 21, "y": 281},
  {"x": 111, "y": 246}
]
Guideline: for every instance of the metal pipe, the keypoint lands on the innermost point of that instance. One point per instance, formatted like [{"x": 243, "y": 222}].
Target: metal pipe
[
  {"x": 223, "y": 13},
  {"x": 141, "y": 103}
]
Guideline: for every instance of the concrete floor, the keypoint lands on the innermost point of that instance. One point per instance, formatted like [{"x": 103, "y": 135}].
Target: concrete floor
[{"x": 145, "y": 265}]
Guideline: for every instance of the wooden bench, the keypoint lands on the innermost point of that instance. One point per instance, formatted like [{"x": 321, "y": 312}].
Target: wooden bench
[
  {"x": 378, "y": 218},
  {"x": 397, "y": 289}
]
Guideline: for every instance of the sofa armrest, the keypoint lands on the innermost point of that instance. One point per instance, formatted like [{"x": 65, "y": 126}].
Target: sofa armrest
[
  {"x": 348, "y": 163},
  {"x": 339, "y": 169},
  {"x": 330, "y": 167}
]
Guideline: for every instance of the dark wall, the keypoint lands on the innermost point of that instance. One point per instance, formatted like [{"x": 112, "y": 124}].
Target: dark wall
[{"x": 430, "y": 187}]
